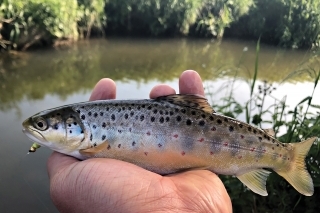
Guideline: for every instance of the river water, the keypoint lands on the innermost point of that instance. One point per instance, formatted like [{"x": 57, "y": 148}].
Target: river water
[{"x": 34, "y": 81}]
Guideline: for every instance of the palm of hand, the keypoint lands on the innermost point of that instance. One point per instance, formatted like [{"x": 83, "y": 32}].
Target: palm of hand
[{"x": 108, "y": 185}]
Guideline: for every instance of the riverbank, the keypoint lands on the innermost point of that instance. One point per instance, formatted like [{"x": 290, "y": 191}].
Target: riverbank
[{"x": 38, "y": 23}]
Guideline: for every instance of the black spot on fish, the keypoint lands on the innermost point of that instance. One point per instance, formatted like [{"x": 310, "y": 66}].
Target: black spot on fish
[
  {"x": 101, "y": 113},
  {"x": 136, "y": 117},
  {"x": 141, "y": 117},
  {"x": 211, "y": 118},
  {"x": 166, "y": 113},
  {"x": 120, "y": 131},
  {"x": 103, "y": 137},
  {"x": 69, "y": 125},
  {"x": 123, "y": 108},
  {"x": 203, "y": 115},
  {"x": 149, "y": 107},
  {"x": 240, "y": 125},
  {"x": 104, "y": 125},
  {"x": 70, "y": 131},
  {"x": 133, "y": 143},
  {"x": 171, "y": 113},
  {"x": 152, "y": 119},
  {"x": 255, "y": 131},
  {"x": 161, "y": 120},
  {"x": 90, "y": 137},
  {"x": 226, "y": 119},
  {"x": 94, "y": 126},
  {"x": 178, "y": 118},
  {"x": 183, "y": 111},
  {"x": 95, "y": 114},
  {"x": 161, "y": 112},
  {"x": 132, "y": 104},
  {"x": 129, "y": 108},
  {"x": 231, "y": 128},
  {"x": 193, "y": 112},
  {"x": 81, "y": 131},
  {"x": 126, "y": 116},
  {"x": 95, "y": 144},
  {"x": 78, "y": 111},
  {"x": 107, "y": 108},
  {"x": 273, "y": 141},
  {"x": 83, "y": 117},
  {"x": 260, "y": 139},
  {"x": 75, "y": 123},
  {"x": 143, "y": 106},
  {"x": 188, "y": 122},
  {"x": 219, "y": 121},
  {"x": 202, "y": 123},
  {"x": 113, "y": 117},
  {"x": 119, "y": 145},
  {"x": 155, "y": 111},
  {"x": 109, "y": 147},
  {"x": 131, "y": 113},
  {"x": 249, "y": 128},
  {"x": 167, "y": 119},
  {"x": 119, "y": 110},
  {"x": 177, "y": 110},
  {"x": 138, "y": 107},
  {"x": 58, "y": 114},
  {"x": 116, "y": 105},
  {"x": 89, "y": 113}
]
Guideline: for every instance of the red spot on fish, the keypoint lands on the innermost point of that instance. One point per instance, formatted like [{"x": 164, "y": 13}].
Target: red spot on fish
[
  {"x": 183, "y": 153},
  {"x": 145, "y": 153},
  {"x": 280, "y": 155},
  {"x": 109, "y": 147},
  {"x": 148, "y": 133},
  {"x": 288, "y": 158},
  {"x": 211, "y": 153},
  {"x": 242, "y": 137},
  {"x": 240, "y": 157},
  {"x": 264, "y": 150},
  {"x": 175, "y": 136},
  {"x": 272, "y": 148},
  {"x": 252, "y": 149},
  {"x": 159, "y": 145},
  {"x": 213, "y": 129},
  {"x": 201, "y": 140},
  {"x": 225, "y": 144}
]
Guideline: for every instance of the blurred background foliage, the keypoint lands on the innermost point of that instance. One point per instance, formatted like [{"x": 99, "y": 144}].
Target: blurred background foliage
[{"x": 287, "y": 23}]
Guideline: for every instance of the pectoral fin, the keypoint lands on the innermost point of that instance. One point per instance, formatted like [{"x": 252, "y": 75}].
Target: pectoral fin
[
  {"x": 92, "y": 151},
  {"x": 256, "y": 181}
]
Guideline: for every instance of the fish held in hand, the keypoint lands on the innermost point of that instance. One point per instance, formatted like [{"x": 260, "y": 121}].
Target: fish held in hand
[{"x": 171, "y": 134}]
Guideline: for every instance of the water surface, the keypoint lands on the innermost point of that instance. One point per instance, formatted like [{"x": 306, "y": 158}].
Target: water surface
[{"x": 31, "y": 82}]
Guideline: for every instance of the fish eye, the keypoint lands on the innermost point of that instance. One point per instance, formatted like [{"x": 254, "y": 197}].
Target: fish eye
[{"x": 41, "y": 124}]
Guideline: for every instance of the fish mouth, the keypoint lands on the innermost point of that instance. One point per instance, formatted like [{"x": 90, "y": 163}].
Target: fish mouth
[{"x": 34, "y": 136}]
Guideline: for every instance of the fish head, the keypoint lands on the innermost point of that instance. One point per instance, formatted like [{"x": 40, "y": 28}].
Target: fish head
[{"x": 58, "y": 129}]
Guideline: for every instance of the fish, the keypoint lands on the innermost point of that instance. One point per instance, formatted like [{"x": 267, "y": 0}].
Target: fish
[{"x": 171, "y": 134}]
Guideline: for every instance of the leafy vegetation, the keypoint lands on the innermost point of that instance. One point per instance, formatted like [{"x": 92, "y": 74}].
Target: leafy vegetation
[
  {"x": 288, "y": 23},
  {"x": 299, "y": 123},
  {"x": 40, "y": 22}
]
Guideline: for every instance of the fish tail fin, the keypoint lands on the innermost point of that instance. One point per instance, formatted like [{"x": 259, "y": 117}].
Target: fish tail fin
[{"x": 297, "y": 175}]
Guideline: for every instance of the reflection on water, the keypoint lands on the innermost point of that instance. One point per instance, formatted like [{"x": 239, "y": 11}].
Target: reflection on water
[{"x": 36, "y": 81}]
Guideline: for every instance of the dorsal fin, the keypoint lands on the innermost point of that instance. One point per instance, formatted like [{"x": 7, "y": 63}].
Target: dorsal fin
[
  {"x": 191, "y": 101},
  {"x": 270, "y": 132}
]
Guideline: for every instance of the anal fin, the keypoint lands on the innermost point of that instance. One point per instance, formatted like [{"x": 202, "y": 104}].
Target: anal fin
[{"x": 256, "y": 180}]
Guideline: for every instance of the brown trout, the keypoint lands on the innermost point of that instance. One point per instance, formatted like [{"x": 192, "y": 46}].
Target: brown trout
[{"x": 171, "y": 134}]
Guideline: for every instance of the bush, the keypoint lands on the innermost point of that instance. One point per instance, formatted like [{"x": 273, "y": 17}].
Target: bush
[
  {"x": 151, "y": 17},
  {"x": 288, "y": 23}
]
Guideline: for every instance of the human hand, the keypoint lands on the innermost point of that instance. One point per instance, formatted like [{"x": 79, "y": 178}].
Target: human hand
[{"x": 109, "y": 185}]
